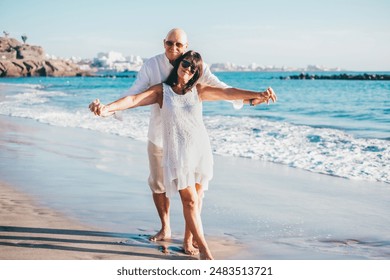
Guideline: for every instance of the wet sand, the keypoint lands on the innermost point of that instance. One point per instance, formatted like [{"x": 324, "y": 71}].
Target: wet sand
[{"x": 29, "y": 231}]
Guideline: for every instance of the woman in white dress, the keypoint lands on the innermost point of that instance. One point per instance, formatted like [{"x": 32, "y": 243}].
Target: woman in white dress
[{"x": 187, "y": 158}]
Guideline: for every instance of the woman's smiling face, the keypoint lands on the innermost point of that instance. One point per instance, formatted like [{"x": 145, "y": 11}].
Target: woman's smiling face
[{"x": 186, "y": 69}]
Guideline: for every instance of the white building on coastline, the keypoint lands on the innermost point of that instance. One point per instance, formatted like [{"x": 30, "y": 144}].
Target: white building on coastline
[
  {"x": 115, "y": 61},
  {"x": 231, "y": 67}
]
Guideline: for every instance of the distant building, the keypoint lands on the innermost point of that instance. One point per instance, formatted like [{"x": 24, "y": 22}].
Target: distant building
[
  {"x": 230, "y": 67},
  {"x": 115, "y": 61}
]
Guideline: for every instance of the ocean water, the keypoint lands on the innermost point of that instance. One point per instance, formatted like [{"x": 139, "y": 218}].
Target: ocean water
[{"x": 333, "y": 127}]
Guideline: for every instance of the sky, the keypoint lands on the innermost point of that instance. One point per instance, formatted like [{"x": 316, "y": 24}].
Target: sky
[{"x": 352, "y": 35}]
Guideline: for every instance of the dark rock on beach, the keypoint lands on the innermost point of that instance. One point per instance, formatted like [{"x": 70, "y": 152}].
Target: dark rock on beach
[
  {"x": 342, "y": 76},
  {"x": 22, "y": 60}
]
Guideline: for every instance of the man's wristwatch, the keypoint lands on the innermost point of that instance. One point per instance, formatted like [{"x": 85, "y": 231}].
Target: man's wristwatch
[{"x": 251, "y": 102}]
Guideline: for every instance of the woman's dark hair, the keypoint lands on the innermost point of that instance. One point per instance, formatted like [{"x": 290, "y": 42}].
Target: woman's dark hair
[{"x": 197, "y": 63}]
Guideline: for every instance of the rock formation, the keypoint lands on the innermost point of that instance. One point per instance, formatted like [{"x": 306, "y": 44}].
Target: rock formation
[
  {"x": 23, "y": 60},
  {"x": 342, "y": 76}
]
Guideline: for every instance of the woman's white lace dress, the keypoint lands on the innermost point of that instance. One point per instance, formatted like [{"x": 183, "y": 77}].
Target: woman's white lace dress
[{"x": 187, "y": 157}]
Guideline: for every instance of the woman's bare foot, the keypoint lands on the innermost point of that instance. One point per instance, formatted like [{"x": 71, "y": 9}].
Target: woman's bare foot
[
  {"x": 163, "y": 234},
  {"x": 189, "y": 249},
  {"x": 164, "y": 249},
  {"x": 205, "y": 255}
]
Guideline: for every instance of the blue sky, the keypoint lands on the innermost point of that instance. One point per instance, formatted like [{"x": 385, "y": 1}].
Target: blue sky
[{"x": 353, "y": 35}]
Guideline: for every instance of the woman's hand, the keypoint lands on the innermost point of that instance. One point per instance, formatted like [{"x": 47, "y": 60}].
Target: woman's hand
[
  {"x": 269, "y": 94},
  {"x": 99, "y": 109},
  {"x": 265, "y": 96}
]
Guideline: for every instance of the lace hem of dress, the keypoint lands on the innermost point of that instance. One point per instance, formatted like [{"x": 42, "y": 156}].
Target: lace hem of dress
[{"x": 181, "y": 181}]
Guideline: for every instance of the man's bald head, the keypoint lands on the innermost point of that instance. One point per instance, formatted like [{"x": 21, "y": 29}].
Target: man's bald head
[
  {"x": 177, "y": 33},
  {"x": 175, "y": 44}
]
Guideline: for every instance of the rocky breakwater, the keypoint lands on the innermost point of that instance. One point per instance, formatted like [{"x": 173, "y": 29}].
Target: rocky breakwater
[
  {"x": 343, "y": 76},
  {"x": 23, "y": 60}
]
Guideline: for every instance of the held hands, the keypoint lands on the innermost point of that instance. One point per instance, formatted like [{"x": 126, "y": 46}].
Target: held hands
[
  {"x": 270, "y": 94},
  {"x": 265, "y": 96},
  {"x": 99, "y": 109}
]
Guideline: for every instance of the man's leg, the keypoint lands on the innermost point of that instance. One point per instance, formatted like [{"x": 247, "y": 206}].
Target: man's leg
[
  {"x": 161, "y": 202},
  {"x": 162, "y": 205}
]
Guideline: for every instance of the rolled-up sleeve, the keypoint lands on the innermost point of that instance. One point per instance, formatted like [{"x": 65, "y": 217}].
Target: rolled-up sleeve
[
  {"x": 210, "y": 79},
  {"x": 141, "y": 83}
]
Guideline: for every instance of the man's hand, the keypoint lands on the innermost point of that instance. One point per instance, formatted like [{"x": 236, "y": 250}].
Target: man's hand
[{"x": 99, "y": 109}]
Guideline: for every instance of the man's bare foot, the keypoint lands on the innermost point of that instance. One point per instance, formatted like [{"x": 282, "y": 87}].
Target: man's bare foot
[
  {"x": 189, "y": 249},
  {"x": 161, "y": 235}
]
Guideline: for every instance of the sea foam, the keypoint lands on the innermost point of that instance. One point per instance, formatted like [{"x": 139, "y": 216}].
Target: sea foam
[{"x": 321, "y": 150}]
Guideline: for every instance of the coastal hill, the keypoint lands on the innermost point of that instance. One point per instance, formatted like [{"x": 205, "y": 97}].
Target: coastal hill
[{"x": 20, "y": 60}]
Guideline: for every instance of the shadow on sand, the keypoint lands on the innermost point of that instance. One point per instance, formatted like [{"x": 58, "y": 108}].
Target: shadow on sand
[{"x": 94, "y": 242}]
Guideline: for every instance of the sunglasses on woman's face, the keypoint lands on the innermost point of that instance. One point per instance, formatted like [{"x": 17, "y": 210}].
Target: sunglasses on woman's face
[
  {"x": 177, "y": 44},
  {"x": 185, "y": 64}
]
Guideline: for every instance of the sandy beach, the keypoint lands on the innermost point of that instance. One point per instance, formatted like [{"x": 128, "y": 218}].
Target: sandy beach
[
  {"x": 77, "y": 194},
  {"x": 29, "y": 231}
]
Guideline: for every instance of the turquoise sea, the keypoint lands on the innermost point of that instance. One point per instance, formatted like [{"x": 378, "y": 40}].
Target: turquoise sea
[{"x": 335, "y": 127}]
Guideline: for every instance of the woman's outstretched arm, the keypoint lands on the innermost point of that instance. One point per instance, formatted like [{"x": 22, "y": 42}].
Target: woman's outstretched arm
[
  {"x": 151, "y": 96},
  {"x": 208, "y": 93}
]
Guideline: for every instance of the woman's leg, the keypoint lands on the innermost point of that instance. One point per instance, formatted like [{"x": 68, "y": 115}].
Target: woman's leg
[
  {"x": 189, "y": 244},
  {"x": 189, "y": 198},
  {"x": 199, "y": 191}
]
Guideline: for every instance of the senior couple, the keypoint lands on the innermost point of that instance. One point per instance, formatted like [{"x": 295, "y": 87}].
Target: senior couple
[{"x": 175, "y": 83}]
